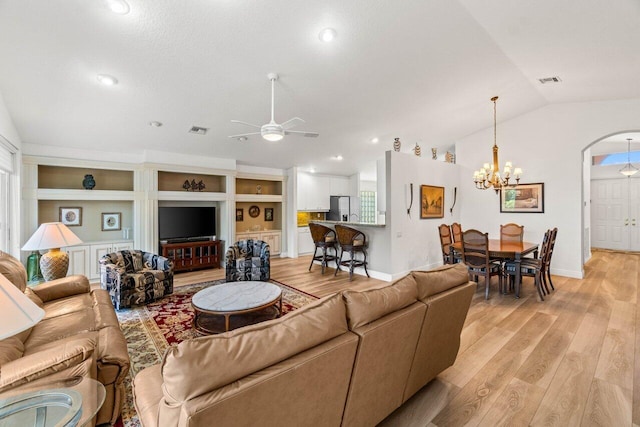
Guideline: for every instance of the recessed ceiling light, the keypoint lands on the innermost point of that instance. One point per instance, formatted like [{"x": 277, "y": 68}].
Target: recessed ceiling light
[
  {"x": 107, "y": 80},
  {"x": 312, "y": 170},
  {"x": 242, "y": 138},
  {"x": 327, "y": 35},
  {"x": 374, "y": 140},
  {"x": 120, "y": 7},
  {"x": 338, "y": 157},
  {"x": 155, "y": 124}
]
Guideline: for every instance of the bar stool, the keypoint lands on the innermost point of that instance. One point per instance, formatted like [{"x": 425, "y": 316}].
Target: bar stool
[
  {"x": 351, "y": 241},
  {"x": 324, "y": 238}
]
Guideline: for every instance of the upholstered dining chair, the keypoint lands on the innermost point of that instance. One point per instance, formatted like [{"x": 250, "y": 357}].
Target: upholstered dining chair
[
  {"x": 475, "y": 254},
  {"x": 324, "y": 238},
  {"x": 511, "y": 232},
  {"x": 248, "y": 260},
  {"x": 445, "y": 243},
  {"x": 353, "y": 242},
  {"x": 456, "y": 232},
  {"x": 135, "y": 277}
]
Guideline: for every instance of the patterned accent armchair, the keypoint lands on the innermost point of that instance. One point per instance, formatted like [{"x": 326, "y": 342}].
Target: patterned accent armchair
[
  {"x": 248, "y": 260},
  {"x": 135, "y": 277}
]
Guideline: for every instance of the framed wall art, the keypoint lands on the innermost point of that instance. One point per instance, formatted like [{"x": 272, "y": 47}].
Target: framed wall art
[
  {"x": 268, "y": 214},
  {"x": 523, "y": 198},
  {"x": 71, "y": 216},
  {"x": 431, "y": 202},
  {"x": 111, "y": 221},
  {"x": 239, "y": 214}
]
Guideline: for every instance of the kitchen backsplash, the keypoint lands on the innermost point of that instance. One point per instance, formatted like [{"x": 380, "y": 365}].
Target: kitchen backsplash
[{"x": 305, "y": 217}]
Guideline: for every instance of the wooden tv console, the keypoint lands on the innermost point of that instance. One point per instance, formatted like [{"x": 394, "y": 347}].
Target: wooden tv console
[{"x": 193, "y": 255}]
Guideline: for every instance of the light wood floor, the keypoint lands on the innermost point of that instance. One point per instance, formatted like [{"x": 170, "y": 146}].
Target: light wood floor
[{"x": 570, "y": 360}]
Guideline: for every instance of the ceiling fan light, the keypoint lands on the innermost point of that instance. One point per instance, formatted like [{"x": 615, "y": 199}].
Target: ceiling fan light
[{"x": 273, "y": 135}]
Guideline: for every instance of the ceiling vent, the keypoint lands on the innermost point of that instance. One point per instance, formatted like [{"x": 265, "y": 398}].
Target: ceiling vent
[
  {"x": 198, "y": 130},
  {"x": 550, "y": 80}
]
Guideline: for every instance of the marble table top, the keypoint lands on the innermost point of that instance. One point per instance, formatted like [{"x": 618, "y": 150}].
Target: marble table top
[{"x": 236, "y": 296}]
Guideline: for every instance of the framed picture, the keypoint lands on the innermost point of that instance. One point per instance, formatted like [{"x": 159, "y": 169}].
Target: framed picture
[
  {"x": 431, "y": 202},
  {"x": 71, "y": 216},
  {"x": 111, "y": 221},
  {"x": 254, "y": 211},
  {"x": 239, "y": 214},
  {"x": 268, "y": 214},
  {"x": 523, "y": 198}
]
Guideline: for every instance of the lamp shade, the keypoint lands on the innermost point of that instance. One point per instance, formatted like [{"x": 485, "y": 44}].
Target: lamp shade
[
  {"x": 51, "y": 235},
  {"x": 18, "y": 311}
]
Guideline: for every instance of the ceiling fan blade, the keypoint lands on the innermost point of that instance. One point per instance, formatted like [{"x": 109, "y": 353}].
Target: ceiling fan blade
[
  {"x": 291, "y": 123},
  {"x": 244, "y": 134},
  {"x": 245, "y": 123},
  {"x": 302, "y": 132}
]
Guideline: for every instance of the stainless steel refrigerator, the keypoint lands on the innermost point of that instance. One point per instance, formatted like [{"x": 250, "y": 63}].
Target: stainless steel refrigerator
[{"x": 344, "y": 208}]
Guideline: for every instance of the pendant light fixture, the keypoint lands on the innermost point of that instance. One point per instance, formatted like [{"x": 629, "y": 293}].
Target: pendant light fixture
[
  {"x": 628, "y": 169},
  {"x": 489, "y": 175}
]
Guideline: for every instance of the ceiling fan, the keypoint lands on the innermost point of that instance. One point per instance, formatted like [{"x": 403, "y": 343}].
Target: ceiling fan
[{"x": 273, "y": 131}]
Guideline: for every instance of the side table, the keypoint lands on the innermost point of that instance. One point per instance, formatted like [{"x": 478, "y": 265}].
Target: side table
[{"x": 70, "y": 402}]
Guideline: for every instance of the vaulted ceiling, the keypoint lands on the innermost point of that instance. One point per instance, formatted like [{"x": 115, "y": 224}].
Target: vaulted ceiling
[{"x": 420, "y": 70}]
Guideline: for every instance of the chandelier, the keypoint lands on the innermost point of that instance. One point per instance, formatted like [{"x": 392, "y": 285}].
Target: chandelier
[
  {"x": 489, "y": 175},
  {"x": 629, "y": 169}
]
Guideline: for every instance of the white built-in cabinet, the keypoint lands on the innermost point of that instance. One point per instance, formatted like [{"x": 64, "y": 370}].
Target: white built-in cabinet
[
  {"x": 272, "y": 237},
  {"x": 84, "y": 259}
]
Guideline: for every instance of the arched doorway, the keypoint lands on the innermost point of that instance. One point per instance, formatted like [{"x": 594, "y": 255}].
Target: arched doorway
[{"x": 611, "y": 201}]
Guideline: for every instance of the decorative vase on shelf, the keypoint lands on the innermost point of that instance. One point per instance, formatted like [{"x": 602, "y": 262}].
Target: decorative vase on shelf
[
  {"x": 417, "y": 150},
  {"x": 396, "y": 144},
  {"x": 88, "y": 182},
  {"x": 434, "y": 153}
]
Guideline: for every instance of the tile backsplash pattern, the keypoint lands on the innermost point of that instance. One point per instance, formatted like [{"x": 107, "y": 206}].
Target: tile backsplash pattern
[{"x": 305, "y": 217}]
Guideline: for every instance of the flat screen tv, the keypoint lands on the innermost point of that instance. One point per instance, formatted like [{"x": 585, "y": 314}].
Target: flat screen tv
[{"x": 177, "y": 223}]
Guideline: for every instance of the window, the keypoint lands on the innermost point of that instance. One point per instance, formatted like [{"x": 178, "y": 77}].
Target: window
[{"x": 368, "y": 206}]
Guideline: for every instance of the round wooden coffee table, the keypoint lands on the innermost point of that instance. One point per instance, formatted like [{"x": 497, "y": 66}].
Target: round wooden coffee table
[{"x": 248, "y": 302}]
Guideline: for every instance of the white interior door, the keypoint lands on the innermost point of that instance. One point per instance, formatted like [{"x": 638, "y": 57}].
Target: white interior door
[
  {"x": 615, "y": 214},
  {"x": 609, "y": 214},
  {"x": 634, "y": 214}
]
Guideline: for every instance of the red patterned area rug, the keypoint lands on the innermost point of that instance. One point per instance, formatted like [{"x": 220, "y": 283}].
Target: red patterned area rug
[{"x": 153, "y": 328}]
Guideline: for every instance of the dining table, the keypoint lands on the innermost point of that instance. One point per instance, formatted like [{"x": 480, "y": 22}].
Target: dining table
[{"x": 505, "y": 250}]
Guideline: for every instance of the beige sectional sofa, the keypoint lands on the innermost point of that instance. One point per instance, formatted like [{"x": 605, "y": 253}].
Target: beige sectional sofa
[
  {"x": 78, "y": 336},
  {"x": 349, "y": 359}
]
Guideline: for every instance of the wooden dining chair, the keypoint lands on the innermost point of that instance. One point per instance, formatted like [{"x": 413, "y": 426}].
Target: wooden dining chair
[
  {"x": 445, "y": 243},
  {"x": 546, "y": 273},
  {"x": 511, "y": 232},
  {"x": 475, "y": 254},
  {"x": 456, "y": 232},
  {"x": 531, "y": 267}
]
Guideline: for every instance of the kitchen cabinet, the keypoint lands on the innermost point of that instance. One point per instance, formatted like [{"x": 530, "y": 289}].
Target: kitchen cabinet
[
  {"x": 313, "y": 192},
  {"x": 305, "y": 242},
  {"x": 339, "y": 186}
]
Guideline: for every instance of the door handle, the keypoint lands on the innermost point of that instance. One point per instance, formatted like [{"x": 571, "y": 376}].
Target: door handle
[
  {"x": 626, "y": 222},
  {"x": 633, "y": 222}
]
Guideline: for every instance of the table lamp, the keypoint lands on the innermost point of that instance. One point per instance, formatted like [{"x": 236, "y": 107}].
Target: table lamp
[
  {"x": 18, "y": 311},
  {"x": 53, "y": 236}
]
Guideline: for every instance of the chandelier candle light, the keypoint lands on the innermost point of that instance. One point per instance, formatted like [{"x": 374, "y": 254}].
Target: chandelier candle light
[{"x": 489, "y": 175}]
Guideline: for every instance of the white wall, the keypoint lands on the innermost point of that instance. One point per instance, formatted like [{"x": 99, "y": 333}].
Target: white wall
[
  {"x": 547, "y": 143},
  {"x": 415, "y": 242}
]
